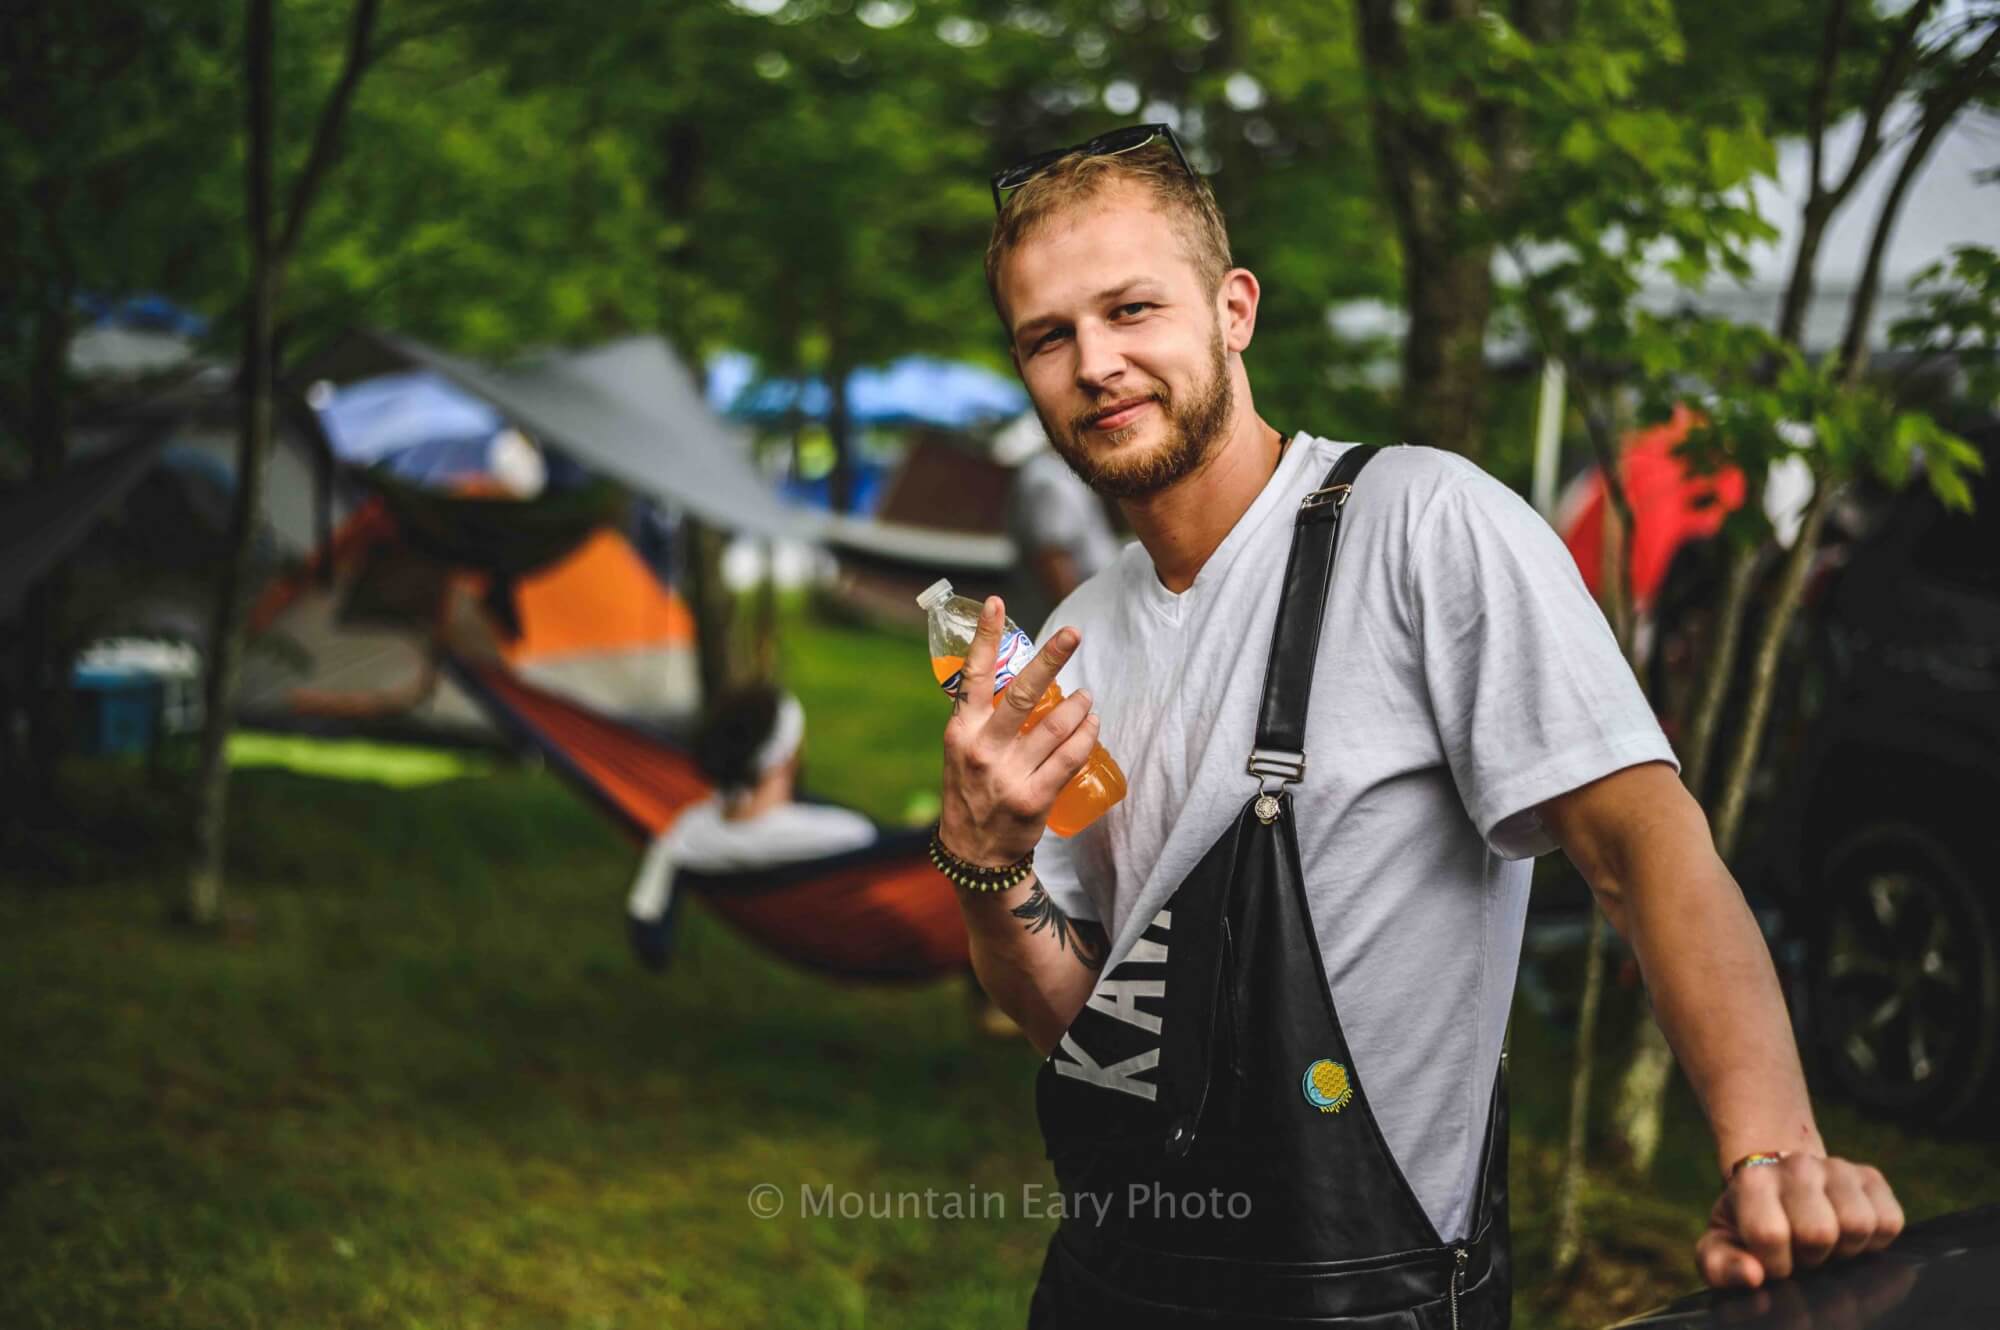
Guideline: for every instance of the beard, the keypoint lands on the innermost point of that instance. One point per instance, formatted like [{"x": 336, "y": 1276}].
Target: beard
[{"x": 1194, "y": 424}]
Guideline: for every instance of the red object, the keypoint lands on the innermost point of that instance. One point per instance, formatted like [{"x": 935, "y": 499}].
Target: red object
[{"x": 1665, "y": 511}]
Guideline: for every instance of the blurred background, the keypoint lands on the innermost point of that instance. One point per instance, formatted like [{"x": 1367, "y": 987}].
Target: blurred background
[{"x": 415, "y": 413}]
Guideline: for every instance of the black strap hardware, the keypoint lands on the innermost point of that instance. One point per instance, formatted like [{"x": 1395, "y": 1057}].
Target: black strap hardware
[{"x": 1279, "y": 752}]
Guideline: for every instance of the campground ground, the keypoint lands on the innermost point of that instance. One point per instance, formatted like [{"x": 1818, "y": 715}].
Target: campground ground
[{"x": 427, "y": 1086}]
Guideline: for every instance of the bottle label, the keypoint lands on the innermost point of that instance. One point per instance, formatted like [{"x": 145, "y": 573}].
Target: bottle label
[{"x": 1016, "y": 650}]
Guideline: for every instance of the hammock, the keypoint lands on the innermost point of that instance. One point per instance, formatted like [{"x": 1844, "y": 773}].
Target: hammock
[{"x": 880, "y": 912}]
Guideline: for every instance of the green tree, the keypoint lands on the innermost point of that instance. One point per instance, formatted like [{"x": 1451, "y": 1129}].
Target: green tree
[
  {"x": 1646, "y": 190},
  {"x": 273, "y": 237},
  {"x": 102, "y": 113}
]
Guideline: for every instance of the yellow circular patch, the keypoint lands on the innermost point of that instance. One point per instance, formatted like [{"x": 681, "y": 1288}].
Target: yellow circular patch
[{"x": 1327, "y": 1086}]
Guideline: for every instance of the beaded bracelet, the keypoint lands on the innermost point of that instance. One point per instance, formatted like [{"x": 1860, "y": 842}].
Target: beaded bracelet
[
  {"x": 1760, "y": 1159},
  {"x": 975, "y": 877}
]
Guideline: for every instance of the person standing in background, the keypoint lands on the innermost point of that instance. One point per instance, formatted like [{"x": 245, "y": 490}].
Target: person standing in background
[{"x": 1058, "y": 526}]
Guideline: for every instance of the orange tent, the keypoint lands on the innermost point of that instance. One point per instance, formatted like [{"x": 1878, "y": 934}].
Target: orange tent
[{"x": 354, "y": 639}]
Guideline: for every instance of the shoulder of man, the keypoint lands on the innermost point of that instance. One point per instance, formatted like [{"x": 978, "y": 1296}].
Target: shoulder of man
[{"x": 1401, "y": 477}]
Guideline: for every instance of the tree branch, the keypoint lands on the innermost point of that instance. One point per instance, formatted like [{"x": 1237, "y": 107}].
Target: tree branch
[
  {"x": 1822, "y": 201},
  {"x": 1895, "y": 71},
  {"x": 1943, "y": 109},
  {"x": 1829, "y": 59},
  {"x": 326, "y": 137}
]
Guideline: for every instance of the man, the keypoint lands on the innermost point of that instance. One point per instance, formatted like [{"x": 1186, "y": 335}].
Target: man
[{"x": 1472, "y": 711}]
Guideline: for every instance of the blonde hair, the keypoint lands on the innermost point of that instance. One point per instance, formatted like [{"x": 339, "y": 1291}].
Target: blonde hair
[{"x": 1073, "y": 180}]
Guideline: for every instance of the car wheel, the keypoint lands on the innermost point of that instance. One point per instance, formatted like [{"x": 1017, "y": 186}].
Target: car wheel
[{"x": 1905, "y": 975}]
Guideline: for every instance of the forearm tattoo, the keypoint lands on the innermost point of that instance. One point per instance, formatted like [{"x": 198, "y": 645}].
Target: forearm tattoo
[{"x": 1084, "y": 937}]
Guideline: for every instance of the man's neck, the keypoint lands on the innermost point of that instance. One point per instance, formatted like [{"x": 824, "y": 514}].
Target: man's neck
[{"x": 1180, "y": 527}]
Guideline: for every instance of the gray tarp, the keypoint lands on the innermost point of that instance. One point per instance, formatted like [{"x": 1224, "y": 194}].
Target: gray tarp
[
  {"x": 41, "y": 524},
  {"x": 631, "y": 411}
]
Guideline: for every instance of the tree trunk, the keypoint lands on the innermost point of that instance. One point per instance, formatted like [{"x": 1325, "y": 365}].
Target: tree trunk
[
  {"x": 270, "y": 251},
  {"x": 1615, "y": 568},
  {"x": 1642, "y": 1095},
  {"x": 1728, "y": 816},
  {"x": 709, "y": 602},
  {"x": 1714, "y": 690},
  {"x": 1799, "y": 289},
  {"x": 1569, "y": 1187},
  {"x": 45, "y": 650},
  {"x": 764, "y": 650},
  {"x": 225, "y": 636},
  {"x": 1449, "y": 293},
  {"x": 1447, "y": 275},
  {"x": 839, "y": 425}
]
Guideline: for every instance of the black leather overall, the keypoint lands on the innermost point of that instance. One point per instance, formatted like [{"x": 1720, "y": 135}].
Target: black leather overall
[{"x": 1211, "y": 1134}]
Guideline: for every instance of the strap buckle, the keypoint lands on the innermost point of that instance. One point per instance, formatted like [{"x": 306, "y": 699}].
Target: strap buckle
[
  {"x": 1324, "y": 495},
  {"x": 1287, "y": 766}
]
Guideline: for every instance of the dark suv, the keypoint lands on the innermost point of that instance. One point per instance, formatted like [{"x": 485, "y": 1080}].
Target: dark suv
[{"x": 1876, "y": 814}]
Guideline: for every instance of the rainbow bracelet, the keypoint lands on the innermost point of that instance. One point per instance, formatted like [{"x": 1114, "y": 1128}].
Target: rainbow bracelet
[{"x": 1760, "y": 1159}]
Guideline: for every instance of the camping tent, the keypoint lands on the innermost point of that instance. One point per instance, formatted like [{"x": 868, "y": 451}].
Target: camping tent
[
  {"x": 355, "y": 639},
  {"x": 542, "y": 582},
  {"x": 375, "y": 577}
]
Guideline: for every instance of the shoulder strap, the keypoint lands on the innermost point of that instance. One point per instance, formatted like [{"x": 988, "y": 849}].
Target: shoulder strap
[{"x": 1288, "y": 673}]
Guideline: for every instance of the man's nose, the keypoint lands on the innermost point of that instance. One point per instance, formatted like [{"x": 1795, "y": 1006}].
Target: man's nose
[{"x": 1099, "y": 363}]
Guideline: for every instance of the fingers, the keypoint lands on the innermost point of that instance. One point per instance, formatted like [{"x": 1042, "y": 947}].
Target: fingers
[
  {"x": 975, "y": 681},
  {"x": 1853, "y": 1209},
  {"x": 1762, "y": 1227},
  {"x": 1888, "y": 1210},
  {"x": 1018, "y": 698},
  {"x": 1725, "y": 1264},
  {"x": 1056, "y": 725},
  {"x": 1064, "y": 762},
  {"x": 1796, "y": 1216},
  {"x": 1815, "y": 1227}
]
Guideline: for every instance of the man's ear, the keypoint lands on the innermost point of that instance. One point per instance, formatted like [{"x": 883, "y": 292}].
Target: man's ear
[{"x": 1236, "y": 307}]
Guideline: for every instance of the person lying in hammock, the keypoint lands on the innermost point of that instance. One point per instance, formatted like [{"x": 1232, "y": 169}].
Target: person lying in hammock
[{"x": 749, "y": 746}]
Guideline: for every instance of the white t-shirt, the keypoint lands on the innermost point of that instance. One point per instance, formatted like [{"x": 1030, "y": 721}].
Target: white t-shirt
[
  {"x": 1464, "y": 676},
  {"x": 703, "y": 840}
]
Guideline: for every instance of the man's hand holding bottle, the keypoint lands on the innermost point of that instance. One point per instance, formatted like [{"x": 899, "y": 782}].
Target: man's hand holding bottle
[{"x": 1002, "y": 775}]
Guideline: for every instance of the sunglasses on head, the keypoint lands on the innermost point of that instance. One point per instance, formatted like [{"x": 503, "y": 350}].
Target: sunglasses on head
[{"x": 1104, "y": 145}]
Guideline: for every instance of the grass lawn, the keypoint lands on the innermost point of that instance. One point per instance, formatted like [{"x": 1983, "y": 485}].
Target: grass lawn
[{"x": 425, "y": 1085}]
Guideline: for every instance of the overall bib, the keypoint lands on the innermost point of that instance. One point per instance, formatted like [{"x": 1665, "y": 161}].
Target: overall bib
[{"x": 1212, "y": 1137}]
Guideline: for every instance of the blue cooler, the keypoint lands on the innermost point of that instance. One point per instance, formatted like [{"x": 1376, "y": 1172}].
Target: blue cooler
[{"x": 118, "y": 710}]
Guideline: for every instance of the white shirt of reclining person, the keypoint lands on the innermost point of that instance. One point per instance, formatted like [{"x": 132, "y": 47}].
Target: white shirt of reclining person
[
  {"x": 1464, "y": 676},
  {"x": 703, "y": 840}
]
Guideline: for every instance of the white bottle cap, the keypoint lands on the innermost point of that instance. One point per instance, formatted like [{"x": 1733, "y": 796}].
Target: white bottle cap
[{"x": 936, "y": 594}]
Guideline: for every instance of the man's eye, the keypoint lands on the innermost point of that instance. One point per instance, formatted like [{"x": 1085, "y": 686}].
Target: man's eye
[
  {"x": 1049, "y": 338},
  {"x": 1135, "y": 307}
]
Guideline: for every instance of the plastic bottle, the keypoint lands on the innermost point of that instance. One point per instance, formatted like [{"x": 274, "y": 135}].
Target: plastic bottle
[{"x": 953, "y": 621}]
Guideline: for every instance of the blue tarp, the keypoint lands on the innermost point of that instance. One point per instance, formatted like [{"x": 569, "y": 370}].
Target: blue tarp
[
  {"x": 381, "y": 417},
  {"x": 145, "y": 312},
  {"x": 916, "y": 390}
]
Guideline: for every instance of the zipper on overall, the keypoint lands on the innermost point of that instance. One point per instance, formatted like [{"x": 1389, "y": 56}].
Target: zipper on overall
[{"x": 1459, "y": 1256}]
